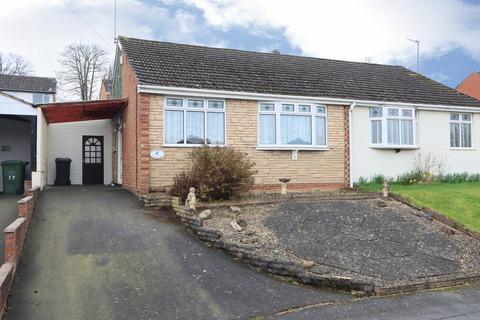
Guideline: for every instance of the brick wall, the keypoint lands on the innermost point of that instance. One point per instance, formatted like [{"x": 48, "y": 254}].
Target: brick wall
[
  {"x": 129, "y": 115},
  {"x": 471, "y": 85},
  {"x": 312, "y": 170},
  {"x": 143, "y": 143}
]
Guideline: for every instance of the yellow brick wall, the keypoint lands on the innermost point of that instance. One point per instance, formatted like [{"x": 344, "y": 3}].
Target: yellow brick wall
[{"x": 316, "y": 168}]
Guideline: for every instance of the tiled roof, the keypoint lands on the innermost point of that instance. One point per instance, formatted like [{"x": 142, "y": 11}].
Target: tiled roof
[
  {"x": 27, "y": 83},
  {"x": 188, "y": 66}
]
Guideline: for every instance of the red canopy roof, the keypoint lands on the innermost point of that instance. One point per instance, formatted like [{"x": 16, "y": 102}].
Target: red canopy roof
[{"x": 82, "y": 110}]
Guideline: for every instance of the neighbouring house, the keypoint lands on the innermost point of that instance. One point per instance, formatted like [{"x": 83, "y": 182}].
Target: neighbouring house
[
  {"x": 105, "y": 89},
  {"x": 323, "y": 123},
  {"x": 18, "y": 118},
  {"x": 471, "y": 85}
]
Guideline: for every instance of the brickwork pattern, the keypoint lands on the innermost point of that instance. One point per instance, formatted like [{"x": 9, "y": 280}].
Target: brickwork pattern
[
  {"x": 129, "y": 115},
  {"x": 312, "y": 170}
]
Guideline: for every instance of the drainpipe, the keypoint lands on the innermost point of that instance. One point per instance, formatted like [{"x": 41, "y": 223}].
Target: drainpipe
[{"x": 350, "y": 140}]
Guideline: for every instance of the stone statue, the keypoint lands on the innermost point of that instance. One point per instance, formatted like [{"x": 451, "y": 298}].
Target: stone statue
[
  {"x": 191, "y": 199},
  {"x": 284, "y": 182},
  {"x": 385, "y": 188}
]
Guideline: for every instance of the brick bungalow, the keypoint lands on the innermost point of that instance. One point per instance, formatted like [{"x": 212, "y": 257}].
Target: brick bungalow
[{"x": 292, "y": 115}]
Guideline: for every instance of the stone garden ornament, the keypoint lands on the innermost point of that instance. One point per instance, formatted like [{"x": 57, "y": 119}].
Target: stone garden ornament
[
  {"x": 191, "y": 200},
  {"x": 385, "y": 188}
]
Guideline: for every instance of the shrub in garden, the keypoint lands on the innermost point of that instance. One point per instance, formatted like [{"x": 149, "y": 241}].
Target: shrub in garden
[
  {"x": 378, "y": 178},
  {"x": 216, "y": 173}
]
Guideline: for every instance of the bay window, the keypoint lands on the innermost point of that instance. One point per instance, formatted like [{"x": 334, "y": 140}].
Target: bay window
[
  {"x": 295, "y": 125},
  {"x": 193, "y": 121},
  {"x": 392, "y": 127},
  {"x": 460, "y": 130}
]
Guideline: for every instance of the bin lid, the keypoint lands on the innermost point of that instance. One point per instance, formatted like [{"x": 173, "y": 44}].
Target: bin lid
[
  {"x": 14, "y": 162},
  {"x": 63, "y": 160}
]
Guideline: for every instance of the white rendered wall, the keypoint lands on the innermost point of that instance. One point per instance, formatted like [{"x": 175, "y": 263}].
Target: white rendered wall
[
  {"x": 433, "y": 137},
  {"x": 39, "y": 177},
  {"x": 65, "y": 141},
  {"x": 14, "y": 107},
  {"x": 27, "y": 96}
]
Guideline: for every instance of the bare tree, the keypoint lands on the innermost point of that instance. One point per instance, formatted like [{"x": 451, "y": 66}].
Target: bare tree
[
  {"x": 14, "y": 64},
  {"x": 83, "y": 65}
]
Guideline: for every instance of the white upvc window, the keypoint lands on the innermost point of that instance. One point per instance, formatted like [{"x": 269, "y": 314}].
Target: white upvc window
[
  {"x": 287, "y": 125},
  {"x": 38, "y": 98},
  {"x": 461, "y": 130},
  {"x": 393, "y": 127},
  {"x": 194, "y": 121}
]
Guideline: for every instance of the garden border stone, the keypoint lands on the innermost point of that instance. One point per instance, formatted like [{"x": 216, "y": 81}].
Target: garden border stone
[{"x": 276, "y": 266}]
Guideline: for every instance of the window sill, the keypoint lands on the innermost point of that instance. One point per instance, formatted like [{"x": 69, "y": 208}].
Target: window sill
[
  {"x": 191, "y": 145},
  {"x": 462, "y": 149},
  {"x": 289, "y": 148},
  {"x": 394, "y": 147}
]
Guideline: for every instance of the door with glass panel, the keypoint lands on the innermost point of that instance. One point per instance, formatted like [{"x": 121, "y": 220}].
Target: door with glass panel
[{"x": 92, "y": 154}]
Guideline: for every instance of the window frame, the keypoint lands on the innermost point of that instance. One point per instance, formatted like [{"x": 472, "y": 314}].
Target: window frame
[
  {"x": 384, "y": 123},
  {"x": 205, "y": 110},
  {"x": 460, "y": 122},
  {"x": 278, "y": 112},
  {"x": 45, "y": 97}
]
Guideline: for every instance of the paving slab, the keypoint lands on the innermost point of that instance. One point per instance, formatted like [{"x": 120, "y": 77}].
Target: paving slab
[{"x": 94, "y": 253}]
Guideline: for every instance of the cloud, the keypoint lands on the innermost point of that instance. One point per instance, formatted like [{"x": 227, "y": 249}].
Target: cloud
[
  {"x": 39, "y": 30},
  {"x": 374, "y": 30}
]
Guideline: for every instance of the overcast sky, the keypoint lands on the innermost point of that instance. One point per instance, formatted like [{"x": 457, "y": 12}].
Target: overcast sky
[{"x": 367, "y": 30}]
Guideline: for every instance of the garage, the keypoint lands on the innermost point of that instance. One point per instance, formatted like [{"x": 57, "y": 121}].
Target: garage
[
  {"x": 83, "y": 132},
  {"x": 17, "y": 133}
]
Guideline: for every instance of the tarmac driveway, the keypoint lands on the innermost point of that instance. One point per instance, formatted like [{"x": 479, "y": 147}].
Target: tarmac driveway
[{"x": 93, "y": 253}]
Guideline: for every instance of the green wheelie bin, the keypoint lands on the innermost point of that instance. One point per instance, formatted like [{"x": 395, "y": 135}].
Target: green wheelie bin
[{"x": 13, "y": 176}]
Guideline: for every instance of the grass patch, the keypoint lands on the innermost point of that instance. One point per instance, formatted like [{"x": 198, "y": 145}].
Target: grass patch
[{"x": 460, "y": 201}]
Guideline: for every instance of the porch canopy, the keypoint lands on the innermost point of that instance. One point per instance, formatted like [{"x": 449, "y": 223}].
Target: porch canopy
[{"x": 58, "y": 112}]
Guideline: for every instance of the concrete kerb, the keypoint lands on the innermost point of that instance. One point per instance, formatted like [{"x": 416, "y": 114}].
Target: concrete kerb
[{"x": 276, "y": 266}]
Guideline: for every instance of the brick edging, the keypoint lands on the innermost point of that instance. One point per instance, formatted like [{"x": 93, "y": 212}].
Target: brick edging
[
  {"x": 15, "y": 235},
  {"x": 428, "y": 285},
  {"x": 276, "y": 266},
  {"x": 162, "y": 202}
]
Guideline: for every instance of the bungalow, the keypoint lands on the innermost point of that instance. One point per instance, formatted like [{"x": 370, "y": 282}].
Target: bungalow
[
  {"x": 18, "y": 118},
  {"x": 323, "y": 123}
]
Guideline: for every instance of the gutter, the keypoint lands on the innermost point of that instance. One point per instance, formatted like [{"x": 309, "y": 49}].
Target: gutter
[{"x": 350, "y": 142}]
